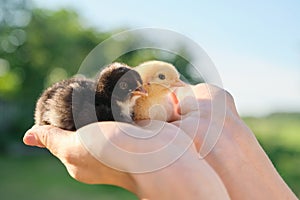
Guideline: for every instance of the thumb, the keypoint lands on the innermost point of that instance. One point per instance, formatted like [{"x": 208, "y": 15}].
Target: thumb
[
  {"x": 187, "y": 100},
  {"x": 45, "y": 136}
]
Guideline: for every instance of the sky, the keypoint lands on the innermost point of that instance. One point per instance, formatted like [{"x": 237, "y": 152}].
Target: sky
[{"x": 255, "y": 45}]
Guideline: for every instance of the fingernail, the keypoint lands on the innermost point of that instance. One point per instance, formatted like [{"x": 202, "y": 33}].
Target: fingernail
[{"x": 29, "y": 139}]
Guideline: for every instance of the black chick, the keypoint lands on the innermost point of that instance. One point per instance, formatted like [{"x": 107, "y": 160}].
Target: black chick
[
  {"x": 76, "y": 102},
  {"x": 117, "y": 90}
]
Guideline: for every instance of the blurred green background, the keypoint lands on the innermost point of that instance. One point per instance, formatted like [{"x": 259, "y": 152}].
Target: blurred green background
[{"x": 39, "y": 47}]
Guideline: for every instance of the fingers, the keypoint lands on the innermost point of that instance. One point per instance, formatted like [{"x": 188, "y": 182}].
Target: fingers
[
  {"x": 204, "y": 98},
  {"x": 215, "y": 94},
  {"x": 194, "y": 98},
  {"x": 205, "y": 109},
  {"x": 187, "y": 101},
  {"x": 31, "y": 140},
  {"x": 49, "y": 137},
  {"x": 135, "y": 149}
]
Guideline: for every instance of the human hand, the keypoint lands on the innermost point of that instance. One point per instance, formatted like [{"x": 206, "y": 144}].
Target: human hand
[
  {"x": 224, "y": 152},
  {"x": 81, "y": 165},
  {"x": 210, "y": 118},
  {"x": 184, "y": 176}
]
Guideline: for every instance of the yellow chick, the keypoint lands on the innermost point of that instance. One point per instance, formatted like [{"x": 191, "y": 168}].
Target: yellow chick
[{"x": 159, "y": 79}]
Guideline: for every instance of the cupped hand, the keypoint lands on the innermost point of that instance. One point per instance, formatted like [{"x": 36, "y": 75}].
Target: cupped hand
[
  {"x": 210, "y": 118},
  {"x": 81, "y": 165},
  {"x": 154, "y": 162},
  {"x": 161, "y": 160}
]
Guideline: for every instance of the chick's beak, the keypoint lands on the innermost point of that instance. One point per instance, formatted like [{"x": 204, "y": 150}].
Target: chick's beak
[
  {"x": 178, "y": 83},
  {"x": 140, "y": 91}
]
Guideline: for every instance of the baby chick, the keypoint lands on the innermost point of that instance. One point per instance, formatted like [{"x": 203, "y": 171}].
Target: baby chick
[
  {"x": 56, "y": 105},
  {"x": 118, "y": 89},
  {"x": 159, "y": 79},
  {"x": 71, "y": 104}
]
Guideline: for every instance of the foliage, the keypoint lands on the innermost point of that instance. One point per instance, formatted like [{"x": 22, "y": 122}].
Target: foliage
[
  {"x": 44, "y": 177},
  {"x": 49, "y": 46},
  {"x": 39, "y": 47}
]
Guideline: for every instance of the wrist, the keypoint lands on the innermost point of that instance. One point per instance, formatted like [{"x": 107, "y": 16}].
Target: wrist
[{"x": 244, "y": 167}]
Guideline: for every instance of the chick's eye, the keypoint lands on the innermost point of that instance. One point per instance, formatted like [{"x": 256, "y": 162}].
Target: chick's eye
[
  {"x": 123, "y": 85},
  {"x": 161, "y": 76}
]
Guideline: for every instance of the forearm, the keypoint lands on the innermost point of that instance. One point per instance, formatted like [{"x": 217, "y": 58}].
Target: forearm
[
  {"x": 244, "y": 167},
  {"x": 236, "y": 156}
]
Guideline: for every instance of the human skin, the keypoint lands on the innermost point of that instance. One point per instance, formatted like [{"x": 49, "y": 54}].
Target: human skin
[
  {"x": 236, "y": 157},
  {"x": 188, "y": 177},
  {"x": 236, "y": 161}
]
